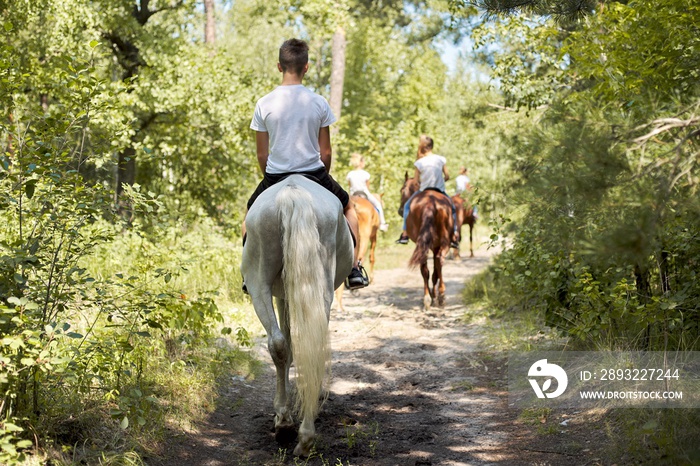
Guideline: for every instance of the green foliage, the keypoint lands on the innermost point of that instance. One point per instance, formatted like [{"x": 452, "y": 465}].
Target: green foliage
[
  {"x": 604, "y": 195},
  {"x": 639, "y": 52},
  {"x": 75, "y": 340},
  {"x": 528, "y": 60}
]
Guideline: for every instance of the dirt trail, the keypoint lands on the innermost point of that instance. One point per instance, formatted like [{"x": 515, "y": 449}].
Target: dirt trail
[{"x": 408, "y": 388}]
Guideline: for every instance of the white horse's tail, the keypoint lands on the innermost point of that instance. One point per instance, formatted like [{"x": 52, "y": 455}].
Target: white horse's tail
[{"x": 304, "y": 281}]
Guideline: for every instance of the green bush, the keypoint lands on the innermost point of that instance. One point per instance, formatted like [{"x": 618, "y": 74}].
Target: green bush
[{"x": 91, "y": 308}]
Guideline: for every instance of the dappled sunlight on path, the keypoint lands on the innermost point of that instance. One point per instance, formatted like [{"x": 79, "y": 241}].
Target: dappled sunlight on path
[{"x": 408, "y": 387}]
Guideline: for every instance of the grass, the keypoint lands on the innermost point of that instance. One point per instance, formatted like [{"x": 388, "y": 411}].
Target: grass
[
  {"x": 174, "y": 379},
  {"x": 633, "y": 436}
]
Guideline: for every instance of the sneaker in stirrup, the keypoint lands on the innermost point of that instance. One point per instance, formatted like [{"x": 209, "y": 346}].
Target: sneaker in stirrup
[
  {"x": 403, "y": 239},
  {"x": 357, "y": 278}
]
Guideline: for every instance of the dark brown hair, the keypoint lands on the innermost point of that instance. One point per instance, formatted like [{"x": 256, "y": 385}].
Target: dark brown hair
[{"x": 294, "y": 54}]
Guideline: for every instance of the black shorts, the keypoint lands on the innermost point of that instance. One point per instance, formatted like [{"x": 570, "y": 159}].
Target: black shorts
[{"x": 320, "y": 176}]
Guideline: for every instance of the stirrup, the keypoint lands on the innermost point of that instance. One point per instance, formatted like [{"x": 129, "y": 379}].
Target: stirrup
[
  {"x": 403, "y": 239},
  {"x": 357, "y": 279},
  {"x": 363, "y": 272}
]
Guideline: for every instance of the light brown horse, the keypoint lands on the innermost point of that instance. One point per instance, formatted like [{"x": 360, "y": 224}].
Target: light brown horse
[
  {"x": 368, "y": 226},
  {"x": 429, "y": 225},
  {"x": 465, "y": 216}
]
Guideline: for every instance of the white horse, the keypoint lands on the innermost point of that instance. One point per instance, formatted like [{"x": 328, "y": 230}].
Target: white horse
[{"x": 299, "y": 250}]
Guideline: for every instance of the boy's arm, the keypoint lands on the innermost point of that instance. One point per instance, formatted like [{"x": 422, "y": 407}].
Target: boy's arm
[
  {"x": 324, "y": 143},
  {"x": 262, "y": 144},
  {"x": 445, "y": 173},
  {"x": 416, "y": 176}
]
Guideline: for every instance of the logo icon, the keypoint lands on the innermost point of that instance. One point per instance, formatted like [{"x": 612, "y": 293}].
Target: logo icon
[{"x": 543, "y": 369}]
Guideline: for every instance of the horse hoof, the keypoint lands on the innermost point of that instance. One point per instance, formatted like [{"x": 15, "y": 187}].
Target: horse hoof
[
  {"x": 427, "y": 301},
  {"x": 303, "y": 448}
]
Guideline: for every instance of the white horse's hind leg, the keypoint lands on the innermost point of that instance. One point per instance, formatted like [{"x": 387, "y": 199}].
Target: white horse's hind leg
[
  {"x": 284, "y": 423},
  {"x": 278, "y": 345},
  {"x": 281, "y": 355},
  {"x": 307, "y": 434}
]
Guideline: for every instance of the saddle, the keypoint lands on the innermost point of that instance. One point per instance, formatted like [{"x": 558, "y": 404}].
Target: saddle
[
  {"x": 363, "y": 195},
  {"x": 436, "y": 190}
]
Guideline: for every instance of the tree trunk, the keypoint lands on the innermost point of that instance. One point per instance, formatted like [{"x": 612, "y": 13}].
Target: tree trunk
[
  {"x": 337, "y": 74},
  {"x": 210, "y": 25}
]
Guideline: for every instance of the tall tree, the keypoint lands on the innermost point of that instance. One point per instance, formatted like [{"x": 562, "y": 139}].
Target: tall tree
[
  {"x": 210, "y": 24},
  {"x": 337, "y": 73},
  {"x": 126, "y": 38}
]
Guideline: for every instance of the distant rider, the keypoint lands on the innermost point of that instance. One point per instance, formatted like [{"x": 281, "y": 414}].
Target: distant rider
[
  {"x": 431, "y": 172},
  {"x": 358, "y": 181}
]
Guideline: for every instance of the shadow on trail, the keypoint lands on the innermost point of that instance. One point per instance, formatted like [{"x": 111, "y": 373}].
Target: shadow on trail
[{"x": 408, "y": 388}]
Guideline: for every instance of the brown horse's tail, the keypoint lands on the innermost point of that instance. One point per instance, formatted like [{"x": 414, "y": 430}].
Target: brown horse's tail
[{"x": 424, "y": 241}]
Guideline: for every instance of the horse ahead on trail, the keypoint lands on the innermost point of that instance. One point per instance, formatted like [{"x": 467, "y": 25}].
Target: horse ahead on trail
[
  {"x": 465, "y": 216},
  {"x": 298, "y": 250},
  {"x": 429, "y": 225}
]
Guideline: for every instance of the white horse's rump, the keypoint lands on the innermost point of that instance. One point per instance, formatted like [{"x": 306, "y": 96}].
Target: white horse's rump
[{"x": 299, "y": 250}]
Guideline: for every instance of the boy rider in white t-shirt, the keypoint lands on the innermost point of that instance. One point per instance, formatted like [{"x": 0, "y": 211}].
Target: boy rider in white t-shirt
[{"x": 293, "y": 136}]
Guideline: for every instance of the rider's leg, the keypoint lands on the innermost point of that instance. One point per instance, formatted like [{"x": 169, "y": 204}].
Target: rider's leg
[
  {"x": 403, "y": 239},
  {"x": 455, "y": 233},
  {"x": 353, "y": 223},
  {"x": 357, "y": 278},
  {"x": 377, "y": 205}
]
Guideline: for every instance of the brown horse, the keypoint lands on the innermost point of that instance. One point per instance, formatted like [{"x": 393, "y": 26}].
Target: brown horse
[
  {"x": 429, "y": 224},
  {"x": 368, "y": 226},
  {"x": 465, "y": 216}
]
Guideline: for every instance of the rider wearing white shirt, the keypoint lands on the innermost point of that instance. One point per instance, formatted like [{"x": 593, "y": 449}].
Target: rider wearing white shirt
[
  {"x": 462, "y": 181},
  {"x": 431, "y": 170},
  {"x": 292, "y": 136},
  {"x": 358, "y": 179}
]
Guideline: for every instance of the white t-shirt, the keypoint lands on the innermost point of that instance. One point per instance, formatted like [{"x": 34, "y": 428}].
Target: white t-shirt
[
  {"x": 430, "y": 168},
  {"x": 462, "y": 183},
  {"x": 358, "y": 181},
  {"x": 293, "y": 116}
]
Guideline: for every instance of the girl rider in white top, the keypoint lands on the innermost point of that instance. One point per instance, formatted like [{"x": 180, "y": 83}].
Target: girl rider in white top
[
  {"x": 431, "y": 171},
  {"x": 358, "y": 180}
]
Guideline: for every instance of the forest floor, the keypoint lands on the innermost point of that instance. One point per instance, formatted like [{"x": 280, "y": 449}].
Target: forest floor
[{"x": 409, "y": 387}]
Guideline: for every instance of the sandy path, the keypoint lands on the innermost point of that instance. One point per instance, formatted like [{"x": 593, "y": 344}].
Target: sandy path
[{"x": 408, "y": 388}]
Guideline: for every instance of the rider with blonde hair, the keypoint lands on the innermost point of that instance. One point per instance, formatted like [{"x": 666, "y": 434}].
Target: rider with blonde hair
[{"x": 358, "y": 181}]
